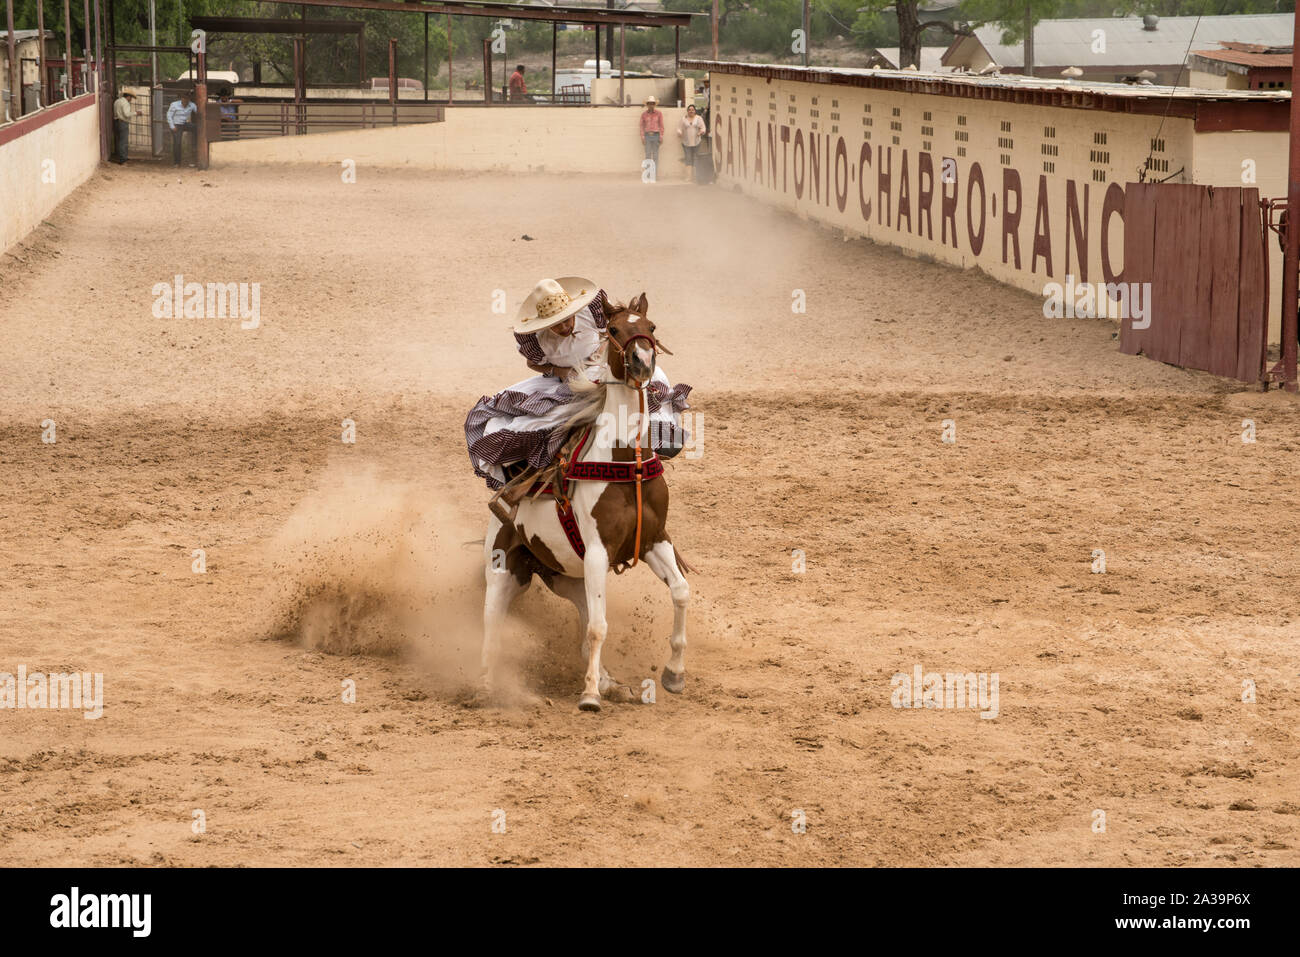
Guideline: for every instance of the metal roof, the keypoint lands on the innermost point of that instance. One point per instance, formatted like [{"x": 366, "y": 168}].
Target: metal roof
[
  {"x": 21, "y": 35},
  {"x": 495, "y": 9},
  {"x": 1212, "y": 110},
  {"x": 1062, "y": 43},
  {"x": 286, "y": 25},
  {"x": 947, "y": 81},
  {"x": 1245, "y": 58}
]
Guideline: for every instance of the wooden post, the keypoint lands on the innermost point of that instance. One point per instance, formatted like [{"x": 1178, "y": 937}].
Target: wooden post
[
  {"x": 101, "y": 90},
  {"x": 1029, "y": 41},
  {"x": 622, "y": 62},
  {"x": 426, "y": 58},
  {"x": 555, "y": 34},
  {"x": 201, "y": 101},
  {"x": 392, "y": 76},
  {"x": 110, "y": 34},
  {"x": 67, "y": 49},
  {"x": 807, "y": 41},
  {"x": 487, "y": 71},
  {"x": 713, "y": 28},
  {"x": 300, "y": 84},
  {"x": 597, "y": 55},
  {"x": 15, "y": 90},
  {"x": 43, "y": 99},
  {"x": 451, "y": 87},
  {"x": 85, "y": 50},
  {"x": 1286, "y": 370},
  {"x": 609, "y": 31}
]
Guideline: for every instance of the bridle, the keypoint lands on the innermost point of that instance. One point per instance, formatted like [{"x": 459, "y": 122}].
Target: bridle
[{"x": 655, "y": 347}]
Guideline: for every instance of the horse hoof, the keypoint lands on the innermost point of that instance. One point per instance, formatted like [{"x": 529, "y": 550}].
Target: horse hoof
[
  {"x": 589, "y": 702},
  {"x": 673, "y": 682}
]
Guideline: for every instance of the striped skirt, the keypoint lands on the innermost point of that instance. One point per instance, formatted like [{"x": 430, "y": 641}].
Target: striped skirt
[{"x": 525, "y": 425}]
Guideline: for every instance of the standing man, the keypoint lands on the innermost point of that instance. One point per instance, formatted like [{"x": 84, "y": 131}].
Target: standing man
[
  {"x": 180, "y": 120},
  {"x": 690, "y": 129},
  {"x": 652, "y": 134},
  {"x": 518, "y": 90},
  {"x": 122, "y": 125}
]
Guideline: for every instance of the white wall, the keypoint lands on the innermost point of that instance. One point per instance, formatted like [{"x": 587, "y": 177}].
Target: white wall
[
  {"x": 43, "y": 165},
  {"x": 871, "y": 162},
  {"x": 517, "y": 139}
]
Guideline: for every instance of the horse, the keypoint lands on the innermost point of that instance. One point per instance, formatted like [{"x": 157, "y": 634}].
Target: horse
[{"x": 617, "y": 516}]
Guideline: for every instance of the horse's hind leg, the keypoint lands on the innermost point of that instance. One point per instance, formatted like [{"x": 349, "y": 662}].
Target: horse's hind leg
[
  {"x": 506, "y": 579},
  {"x": 573, "y": 590},
  {"x": 662, "y": 560}
]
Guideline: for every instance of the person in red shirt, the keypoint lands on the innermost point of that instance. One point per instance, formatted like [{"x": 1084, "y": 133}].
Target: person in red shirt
[
  {"x": 652, "y": 134},
  {"x": 518, "y": 90}
]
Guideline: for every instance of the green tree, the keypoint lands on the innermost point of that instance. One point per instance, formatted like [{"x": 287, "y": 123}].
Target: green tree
[{"x": 911, "y": 27}]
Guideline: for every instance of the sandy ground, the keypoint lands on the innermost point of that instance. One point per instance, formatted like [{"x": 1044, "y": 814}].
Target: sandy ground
[{"x": 330, "y": 562}]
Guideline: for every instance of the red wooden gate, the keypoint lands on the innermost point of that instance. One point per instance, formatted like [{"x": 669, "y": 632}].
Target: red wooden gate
[{"x": 1203, "y": 250}]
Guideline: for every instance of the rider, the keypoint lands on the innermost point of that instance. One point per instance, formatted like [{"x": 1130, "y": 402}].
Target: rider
[{"x": 518, "y": 431}]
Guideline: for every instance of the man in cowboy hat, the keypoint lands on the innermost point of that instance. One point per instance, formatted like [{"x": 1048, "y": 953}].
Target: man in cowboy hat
[
  {"x": 652, "y": 134},
  {"x": 122, "y": 113},
  {"x": 520, "y": 429}
]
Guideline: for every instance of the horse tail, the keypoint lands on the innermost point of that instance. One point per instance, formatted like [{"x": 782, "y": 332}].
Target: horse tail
[{"x": 683, "y": 565}]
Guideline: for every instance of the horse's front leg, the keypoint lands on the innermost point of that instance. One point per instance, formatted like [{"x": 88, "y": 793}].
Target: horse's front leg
[
  {"x": 662, "y": 559},
  {"x": 595, "y": 570}
]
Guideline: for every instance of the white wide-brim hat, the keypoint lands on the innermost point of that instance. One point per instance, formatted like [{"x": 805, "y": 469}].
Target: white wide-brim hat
[
  {"x": 554, "y": 300},
  {"x": 651, "y": 99}
]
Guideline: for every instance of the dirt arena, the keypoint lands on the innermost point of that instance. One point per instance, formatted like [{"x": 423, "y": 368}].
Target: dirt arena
[{"x": 821, "y": 432}]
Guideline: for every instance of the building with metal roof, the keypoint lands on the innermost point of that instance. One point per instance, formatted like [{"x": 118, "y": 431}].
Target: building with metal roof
[
  {"x": 1241, "y": 66},
  {"x": 1112, "y": 49}
]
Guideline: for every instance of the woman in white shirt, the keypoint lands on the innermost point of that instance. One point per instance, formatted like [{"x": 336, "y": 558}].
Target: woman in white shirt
[
  {"x": 691, "y": 130},
  {"x": 558, "y": 330}
]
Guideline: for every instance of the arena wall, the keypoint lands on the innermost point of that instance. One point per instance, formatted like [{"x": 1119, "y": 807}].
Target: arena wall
[
  {"x": 43, "y": 157},
  {"x": 517, "y": 139},
  {"x": 1034, "y": 192}
]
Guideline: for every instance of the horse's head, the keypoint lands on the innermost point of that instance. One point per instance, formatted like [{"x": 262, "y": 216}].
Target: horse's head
[{"x": 632, "y": 342}]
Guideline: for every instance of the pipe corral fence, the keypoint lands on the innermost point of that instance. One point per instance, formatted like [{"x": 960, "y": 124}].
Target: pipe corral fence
[{"x": 236, "y": 113}]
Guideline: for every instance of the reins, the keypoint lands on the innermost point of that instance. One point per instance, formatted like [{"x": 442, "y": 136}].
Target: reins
[{"x": 655, "y": 347}]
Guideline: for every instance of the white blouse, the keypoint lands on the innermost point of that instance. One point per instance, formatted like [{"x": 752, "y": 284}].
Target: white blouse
[{"x": 571, "y": 351}]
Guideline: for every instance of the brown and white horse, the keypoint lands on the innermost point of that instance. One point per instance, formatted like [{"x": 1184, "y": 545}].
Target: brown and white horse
[{"x": 619, "y": 521}]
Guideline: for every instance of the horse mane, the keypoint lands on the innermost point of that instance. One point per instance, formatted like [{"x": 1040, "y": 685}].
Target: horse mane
[{"x": 590, "y": 396}]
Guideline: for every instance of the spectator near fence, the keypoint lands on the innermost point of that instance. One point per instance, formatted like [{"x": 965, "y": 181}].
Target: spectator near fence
[
  {"x": 122, "y": 126},
  {"x": 652, "y": 134},
  {"x": 518, "y": 89},
  {"x": 180, "y": 120},
  {"x": 229, "y": 114},
  {"x": 691, "y": 130}
]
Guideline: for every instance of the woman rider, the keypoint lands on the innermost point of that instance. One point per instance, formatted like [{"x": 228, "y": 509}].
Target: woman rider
[{"x": 519, "y": 430}]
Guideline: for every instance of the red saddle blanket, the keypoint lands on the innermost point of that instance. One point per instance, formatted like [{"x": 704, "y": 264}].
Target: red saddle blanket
[{"x": 576, "y": 471}]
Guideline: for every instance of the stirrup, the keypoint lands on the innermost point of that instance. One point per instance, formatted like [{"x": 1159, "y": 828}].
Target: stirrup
[
  {"x": 505, "y": 503},
  {"x": 504, "y": 513}
]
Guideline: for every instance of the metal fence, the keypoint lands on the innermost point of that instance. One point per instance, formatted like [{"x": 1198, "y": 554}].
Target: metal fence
[{"x": 251, "y": 119}]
